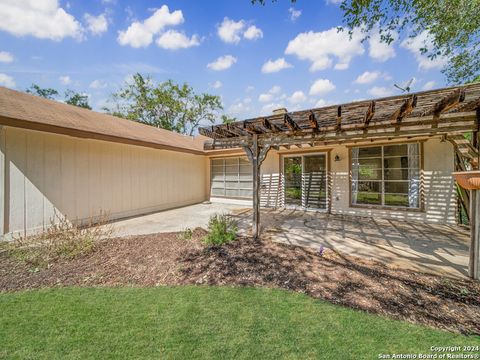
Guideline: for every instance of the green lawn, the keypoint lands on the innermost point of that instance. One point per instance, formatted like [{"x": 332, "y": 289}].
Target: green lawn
[{"x": 199, "y": 322}]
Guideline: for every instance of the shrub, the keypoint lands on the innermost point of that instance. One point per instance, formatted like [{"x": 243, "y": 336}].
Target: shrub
[
  {"x": 62, "y": 240},
  {"x": 186, "y": 234},
  {"x": 221, "y": 230}
]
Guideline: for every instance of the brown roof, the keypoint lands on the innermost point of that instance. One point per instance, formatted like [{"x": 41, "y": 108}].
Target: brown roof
[{"x": 26, "y": 111}]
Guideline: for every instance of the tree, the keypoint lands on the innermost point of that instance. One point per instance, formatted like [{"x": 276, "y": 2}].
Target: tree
[
  {"x": 77, "y": 99},
  {"x": 47, "y": 93},
  {"x": 71, "y": 97},
  {"x": 166, "y": 105},
  {"x": 227, "y": 120},
  {"x": 450, "y": 28}
]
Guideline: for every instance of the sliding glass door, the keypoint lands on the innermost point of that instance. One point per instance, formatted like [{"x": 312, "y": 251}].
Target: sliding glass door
[{"x": 305, "y": 181}]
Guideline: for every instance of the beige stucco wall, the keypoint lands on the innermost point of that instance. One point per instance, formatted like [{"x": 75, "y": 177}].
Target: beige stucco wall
[
  {"x": 79, "y": 178},
  {"x": 439, "y": 190}
]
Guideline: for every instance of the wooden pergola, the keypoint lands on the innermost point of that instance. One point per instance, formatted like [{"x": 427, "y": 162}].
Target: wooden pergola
[{"x": 448, "y": 112}]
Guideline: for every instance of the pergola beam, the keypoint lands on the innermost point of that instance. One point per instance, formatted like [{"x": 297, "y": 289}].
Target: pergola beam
[
  {"x": 313, "y": 121},
  {"x": 267, "y": 124},
  {"x": 448, "y": 102},
  {"x": 290, "y": 123},
  {"x": 404, "y": 110},
  {"x": 369, "y": 114},
  {"x": 338, "y": 119}
]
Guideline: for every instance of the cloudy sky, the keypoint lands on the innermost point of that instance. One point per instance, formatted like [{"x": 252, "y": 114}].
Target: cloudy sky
[{"x": 256, "y": 58}]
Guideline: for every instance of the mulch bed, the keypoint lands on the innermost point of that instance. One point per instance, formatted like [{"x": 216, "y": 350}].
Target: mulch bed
[{"x": 165, "y": 259}]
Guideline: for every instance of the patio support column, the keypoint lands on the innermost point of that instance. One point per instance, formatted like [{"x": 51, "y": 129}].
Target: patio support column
[
  {"x": 474, "y": 264},
  {"x": 256, "y": 154}
]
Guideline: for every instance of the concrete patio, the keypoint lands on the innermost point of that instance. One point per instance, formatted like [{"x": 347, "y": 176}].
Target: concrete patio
[
  {"x": 425, "y": 247},
  {"x": 433, "y": 248}
]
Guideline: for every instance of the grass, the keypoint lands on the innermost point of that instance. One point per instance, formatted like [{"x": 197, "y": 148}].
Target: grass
[{"x": 199, "y": 322}]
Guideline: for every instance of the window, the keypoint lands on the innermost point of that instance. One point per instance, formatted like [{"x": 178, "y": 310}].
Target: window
[
  {"x": 231, "y": 177},
  {"x": 386, "y": 175}
]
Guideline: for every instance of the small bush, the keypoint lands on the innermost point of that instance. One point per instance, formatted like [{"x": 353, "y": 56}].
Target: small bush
[
  {"x": 221, "y": 230},
  {"x": 62, "y": 240},
  {"x": 186, "y": 234}
]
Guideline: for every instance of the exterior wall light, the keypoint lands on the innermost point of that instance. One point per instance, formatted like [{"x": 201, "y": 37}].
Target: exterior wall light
[{"x": 337, "y": 158}]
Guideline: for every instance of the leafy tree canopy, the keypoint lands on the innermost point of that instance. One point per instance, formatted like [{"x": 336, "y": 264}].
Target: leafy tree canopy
[
  {"x": 47, "y": 93},
  {"x": 71, "y": 97},
  {"x": 452, "y": 28},
  {"x": 77, "y": 99},
  {"x": 167, "y": 105}
]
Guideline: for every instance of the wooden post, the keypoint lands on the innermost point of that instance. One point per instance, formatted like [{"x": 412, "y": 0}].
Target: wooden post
[
  {"x": 256, "y": 155},
  {"x": 474, "y": 263}
]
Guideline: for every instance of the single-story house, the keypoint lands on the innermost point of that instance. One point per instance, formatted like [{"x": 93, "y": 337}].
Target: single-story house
[{"x": 390, "y": 157}]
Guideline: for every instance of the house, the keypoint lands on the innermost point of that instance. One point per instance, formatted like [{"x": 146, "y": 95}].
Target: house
[{"x": 390, "y": 157}]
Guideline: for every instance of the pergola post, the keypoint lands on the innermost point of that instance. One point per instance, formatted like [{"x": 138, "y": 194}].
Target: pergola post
[
  {"x": 256, "y": 154},
  {"x": 474, "y": 263}
]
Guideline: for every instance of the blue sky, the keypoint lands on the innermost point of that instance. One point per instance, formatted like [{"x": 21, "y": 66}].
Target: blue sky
[{"x": 255, "y": 57}]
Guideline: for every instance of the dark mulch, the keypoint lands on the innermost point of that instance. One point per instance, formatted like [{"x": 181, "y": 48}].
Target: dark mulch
[{"x": 362, "y": 284}]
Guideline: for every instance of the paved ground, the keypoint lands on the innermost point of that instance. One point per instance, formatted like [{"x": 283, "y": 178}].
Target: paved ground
[
  {"x": 170, "y": 220},
  {"x": 430, "y": 248}
]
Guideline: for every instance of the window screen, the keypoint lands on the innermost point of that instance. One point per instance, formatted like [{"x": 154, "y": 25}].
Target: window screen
[{"x": 231, "y": 177}]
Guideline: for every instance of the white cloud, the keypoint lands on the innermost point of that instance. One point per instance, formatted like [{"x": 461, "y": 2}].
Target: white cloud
[
  {"x": 6, "y": 80},
  {"x": 320, "y": 103},
  {"x": 222, "y": 63},
  {"x": 429, "y": 85},
  {"x": 321, "y": 87},
  {"x": 268, "y": 109},
  {"x": 321, "y": 47},
  {"x": 334, "y": 2},
  {"x": 253, "y": 33},
  {"x": 380, "y": 91},
  {"x": 378, "y": 50},
  {"x": 140, "y": 34},
  {"x": 96, "y": 24},
  {"x": 98, "y": 84},
  {"x": 423, "y": 40},
  {"x": 275, "y": 89},
  {"x": 65, "y": 80},
  {"x": 229, "y": 31},
  {"x": 240, "y": 107},
  {"x": 297, "y": 97},
  {"x": 216, "y": 85},
  {"x": 294, "y": 14},
  {"x": 6, "y": 57},
  {"x": 42, "y": 19},
  {"x": 265, "y": 97},
  {"x": 367, "y": 77},
  {"x": 174, "y": 40},
  {"x": 272, "y": 66},
  {"x": 249, "y": 88},
  {"x": 270, "y": 94}
]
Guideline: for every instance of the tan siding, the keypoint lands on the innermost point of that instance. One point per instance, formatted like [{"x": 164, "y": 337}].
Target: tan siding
[{"x": 80, "y": 178}]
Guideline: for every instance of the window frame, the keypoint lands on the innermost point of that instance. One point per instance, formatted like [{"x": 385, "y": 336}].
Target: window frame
[
  {"x": 421, "y": 206},
  {"x": 238, "y": 165}
]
